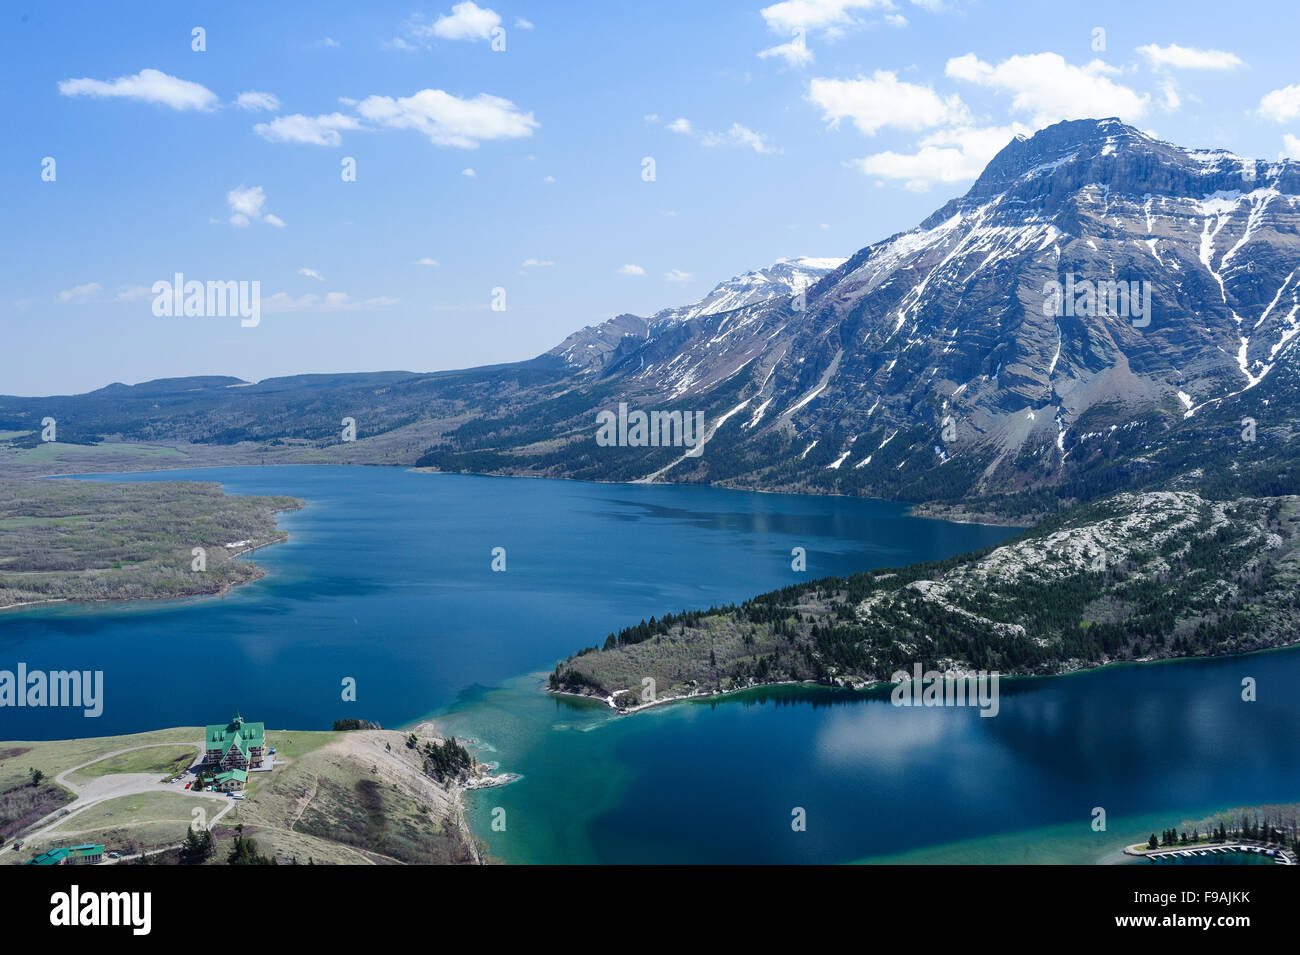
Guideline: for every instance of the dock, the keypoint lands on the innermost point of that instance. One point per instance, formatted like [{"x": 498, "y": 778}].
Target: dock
[{"x": 1279, "y": 854}]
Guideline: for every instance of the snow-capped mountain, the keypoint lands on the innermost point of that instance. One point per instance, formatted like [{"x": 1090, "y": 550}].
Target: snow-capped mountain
[
  {"x": 1098, "y": 307},
  {"x": 781, "y": 280},
  {"x": 1091, "y": 276},
  {"x": 589, "y": 350}
]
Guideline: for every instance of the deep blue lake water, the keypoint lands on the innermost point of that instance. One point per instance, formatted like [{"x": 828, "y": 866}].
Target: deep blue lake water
[{"x": 387, "y": 579}]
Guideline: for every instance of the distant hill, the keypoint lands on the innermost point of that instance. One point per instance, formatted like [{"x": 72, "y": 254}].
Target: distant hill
[{"x": 1101, "y": 311}]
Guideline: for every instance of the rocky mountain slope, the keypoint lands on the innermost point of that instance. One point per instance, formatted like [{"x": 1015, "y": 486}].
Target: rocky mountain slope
[
  {"x": 592, "y": 349},
  {"x": 1097, "y": 312},
  {"x": 946, "y": 358}
]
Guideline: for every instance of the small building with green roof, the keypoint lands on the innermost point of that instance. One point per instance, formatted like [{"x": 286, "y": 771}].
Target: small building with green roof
[
  {"x": 51, "y": 857},
  {"x": 232, "y": 780},
  {"x": 234, "y": 745},
  {"x": 88, "y": 854}
]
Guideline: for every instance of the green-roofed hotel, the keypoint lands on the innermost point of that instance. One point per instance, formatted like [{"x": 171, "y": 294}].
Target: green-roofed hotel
[{"x": 237, "y": 745}]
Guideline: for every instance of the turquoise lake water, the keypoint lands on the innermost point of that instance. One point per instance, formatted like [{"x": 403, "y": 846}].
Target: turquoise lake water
[{"x": 387, "y": 579}]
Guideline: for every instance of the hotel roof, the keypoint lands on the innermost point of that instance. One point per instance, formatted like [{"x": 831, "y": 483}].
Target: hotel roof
[{"x": 235, "y": 733}]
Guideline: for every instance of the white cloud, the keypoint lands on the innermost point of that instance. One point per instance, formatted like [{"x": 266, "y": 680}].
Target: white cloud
[
  {"x": 1188, "y": 58},
  {"x": 469, "y": 173},
  {"x": 255, "y": 100},
  {"x": 739, "y": 135},
  {"x": 548, "y": 179},
  {"x": 651, "y": 117},
  {"x": 133, "y": 293},
  {"x": 247, "y": 202},
  {"x": 312, "y": 274},
  {"x": 884, "y": 100},
  {"x": 795, "y": 53},
  {"x": 467, "y": 21},
  {"x": 792, "y": 15},
  {"x": 79, "y": 294},
  {"x": 1049, "y": 89},
  {"x": 316, "y": 130},
  {"x": 247, "y": 205},
  {"x": 523, "y": 24},
  {"x": 537, "y": 263},
  {"x": 951, "y": 155},
  {"x": 1282, "y": 105},
  {"x": 630, "y": 270},
  {"x": 448, "y": 120},
  {"x": 147, "y": 86},
  {"x": 432, "y": 263},
  {"x": 677, "y": 275},
  {"x": 1169, "y": 90},
  {"x": 330, "y": 42},
  {"x": 1290, "y": 147},
  {"x": 329, "y": 302}
]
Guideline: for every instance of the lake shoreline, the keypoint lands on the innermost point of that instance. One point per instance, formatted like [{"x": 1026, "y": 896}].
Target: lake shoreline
[
  {"x": 864, "y": 687},
  {"x": 273, "y": 796},
  {"x": 921, "y": 510},
  {"x": 600, "y": 783},
  {"x": 221, "y": 591}
]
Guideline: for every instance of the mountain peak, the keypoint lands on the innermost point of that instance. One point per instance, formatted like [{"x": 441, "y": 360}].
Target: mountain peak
[
  {"x": 594, "y": 348},
  {"x": 1044, "y": 172},
  {"x": 783, "y": 277},
  {"x": 1054, "y": 146}
]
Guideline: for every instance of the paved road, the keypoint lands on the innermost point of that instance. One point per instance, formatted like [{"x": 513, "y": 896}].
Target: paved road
[{"x": 102, "y": 788}]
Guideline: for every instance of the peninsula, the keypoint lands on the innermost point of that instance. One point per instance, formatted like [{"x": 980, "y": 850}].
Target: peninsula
[
  {"x": 365, "y": 796},
  {"x": 91, "y": 540},
  {"x": 1136, "y": 577}
]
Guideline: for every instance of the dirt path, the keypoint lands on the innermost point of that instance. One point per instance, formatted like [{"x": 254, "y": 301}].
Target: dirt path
[
  {"x": 103, "y": 788},
  {"x": 305, "y": 802}
]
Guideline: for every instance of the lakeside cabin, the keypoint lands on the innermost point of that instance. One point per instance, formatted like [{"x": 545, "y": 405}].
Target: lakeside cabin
[{"x": 233, "y": 748}]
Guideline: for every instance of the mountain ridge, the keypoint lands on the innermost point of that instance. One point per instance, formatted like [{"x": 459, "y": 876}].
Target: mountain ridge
[{"x": 926, "y": 367}]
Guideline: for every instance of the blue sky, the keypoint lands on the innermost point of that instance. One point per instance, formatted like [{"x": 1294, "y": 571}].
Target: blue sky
[{"x": 522, "y": 168}]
